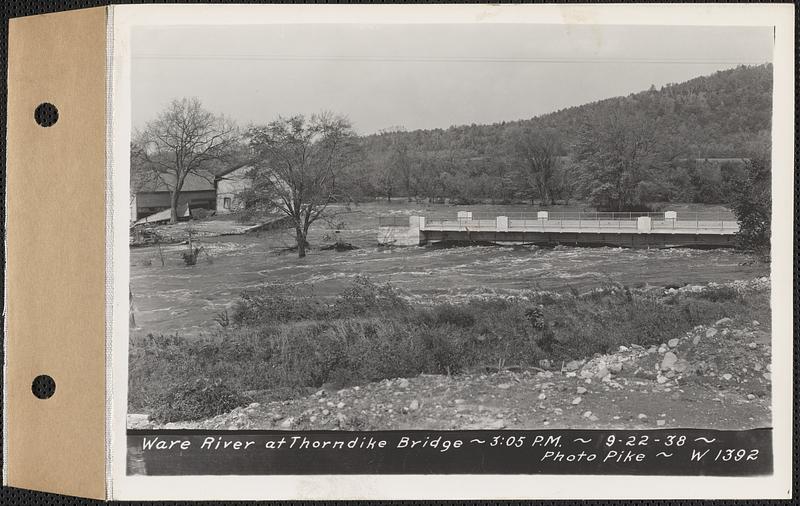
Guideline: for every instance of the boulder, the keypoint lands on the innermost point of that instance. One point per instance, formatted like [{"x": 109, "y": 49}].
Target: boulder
[
  {"x": 682, "y": 365},
  {"x": 669, "y": 361},
  {"x": 673, "y": 342},
  {"x": 573, "y": 365}
]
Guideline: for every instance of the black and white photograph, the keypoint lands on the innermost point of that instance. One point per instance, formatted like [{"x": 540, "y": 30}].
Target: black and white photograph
[{"x": 356, "y": 227}]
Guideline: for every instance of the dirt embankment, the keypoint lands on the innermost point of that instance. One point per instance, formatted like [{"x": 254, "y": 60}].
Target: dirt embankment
[{"x": 715, "y": 376}]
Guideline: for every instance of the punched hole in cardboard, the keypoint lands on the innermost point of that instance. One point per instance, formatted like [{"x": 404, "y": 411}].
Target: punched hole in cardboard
[
  {"x": 43, "y": 386},
  {"x": 46, "y": 114}
]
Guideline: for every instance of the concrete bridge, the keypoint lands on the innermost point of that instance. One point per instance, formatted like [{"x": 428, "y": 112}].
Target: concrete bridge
[{"x": 636, "y": 230}]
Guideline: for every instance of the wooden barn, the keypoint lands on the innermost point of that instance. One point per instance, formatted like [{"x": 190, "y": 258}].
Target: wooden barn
[{"x": 199, "y": 192}]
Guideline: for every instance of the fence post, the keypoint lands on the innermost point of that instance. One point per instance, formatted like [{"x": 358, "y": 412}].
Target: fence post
[
  {"x": 501, "y": 223},
  {"x": 542, "y": 216},
  {"x": 643, "y": 224},
  {"x": 671, "y": 216}
]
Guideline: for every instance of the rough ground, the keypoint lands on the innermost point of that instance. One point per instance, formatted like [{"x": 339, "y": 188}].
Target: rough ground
[
  {"x": 226, "y": 225},
  {"x": 715, "y": 376}
]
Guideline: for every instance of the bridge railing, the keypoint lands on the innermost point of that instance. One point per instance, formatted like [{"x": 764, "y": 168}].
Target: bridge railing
[
  {"x": 604, "y": 216},
  {"x": 485, "y": 221},
  {"x": 393, "y": 221}
]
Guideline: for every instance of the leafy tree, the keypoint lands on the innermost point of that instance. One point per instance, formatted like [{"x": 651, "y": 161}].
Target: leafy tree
[
  {"x": 752, "y": 204},
  {"x": 399, "y": 160},
  {"x": 536, "y": 153},
  {"x": 298, "y": 161},
  {"x": 617, "y": 154}
]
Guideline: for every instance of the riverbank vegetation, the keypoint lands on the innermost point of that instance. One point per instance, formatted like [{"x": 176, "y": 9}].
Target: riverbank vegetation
[{"x": 282, "y": 341}]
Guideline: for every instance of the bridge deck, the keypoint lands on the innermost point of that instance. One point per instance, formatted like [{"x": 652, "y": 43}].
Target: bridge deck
[
  {"x": 713, "y": 227},
  {"x": 667, "y": 229}
]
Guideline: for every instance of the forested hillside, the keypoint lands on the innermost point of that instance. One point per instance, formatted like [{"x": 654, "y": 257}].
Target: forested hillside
[{"x": 677, "y": 143}]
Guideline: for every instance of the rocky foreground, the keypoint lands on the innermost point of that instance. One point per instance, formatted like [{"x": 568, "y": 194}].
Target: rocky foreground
[{"x": 714, "y": 376}]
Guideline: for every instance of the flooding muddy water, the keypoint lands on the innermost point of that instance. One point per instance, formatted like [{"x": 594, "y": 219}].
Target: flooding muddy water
[{"x": 176, "y": 298}]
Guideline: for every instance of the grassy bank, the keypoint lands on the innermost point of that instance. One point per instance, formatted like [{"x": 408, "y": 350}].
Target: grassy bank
[{"x": 282, "y": 341}]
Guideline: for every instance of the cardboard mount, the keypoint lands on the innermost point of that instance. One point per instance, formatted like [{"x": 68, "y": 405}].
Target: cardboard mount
[{"x": 55, "y": 264}]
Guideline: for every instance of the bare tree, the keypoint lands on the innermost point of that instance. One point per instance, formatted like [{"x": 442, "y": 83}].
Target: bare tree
[
  {"x": 298, "y": 160},
  {"x": 187, "y": 139}
]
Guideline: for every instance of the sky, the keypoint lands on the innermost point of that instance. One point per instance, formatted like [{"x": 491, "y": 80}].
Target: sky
[{"x": 421, "y": 76}]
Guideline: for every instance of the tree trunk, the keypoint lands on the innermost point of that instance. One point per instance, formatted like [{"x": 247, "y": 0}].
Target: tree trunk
[
  {"x": 301, "y": 243},
  {"x": 173, "y": 207}
]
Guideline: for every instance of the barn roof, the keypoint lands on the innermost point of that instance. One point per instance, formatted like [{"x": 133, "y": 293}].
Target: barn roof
[
  {"x": 230, "y": 170},
  {"x": 203, "y": 181}
]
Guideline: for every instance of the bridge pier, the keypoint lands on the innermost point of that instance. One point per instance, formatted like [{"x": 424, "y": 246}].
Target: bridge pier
[{"x": 403, "y": 235}]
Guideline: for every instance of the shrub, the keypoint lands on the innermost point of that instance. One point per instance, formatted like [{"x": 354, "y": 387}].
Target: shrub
[
  {"x": 363, "y": 296},
  {"x": 196, "y": 400},
  {"x": 445, "y": 349},
  {"x": 449, "y": 314},
  {"x": 190, "y": 257},
  {"x": 277, "y": 302},
  {"x": 286, "y": 342},
  {"x": 719, "y": 293},
  {"x": 200, "y": 213}
]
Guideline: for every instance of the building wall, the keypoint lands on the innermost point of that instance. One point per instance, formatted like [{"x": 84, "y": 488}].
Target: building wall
[
  {"x": 228, "y": 189},
  {"x": 148, "y": 203}
]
